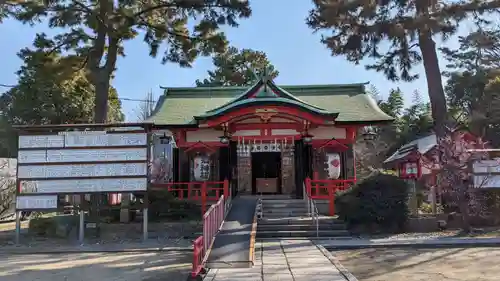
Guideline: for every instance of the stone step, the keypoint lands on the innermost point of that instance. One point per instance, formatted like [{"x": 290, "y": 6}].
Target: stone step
[
  {"x": 298, "y": 220},
  {"x": 284, "y": 210},
  {"x": 283, "y": 206},
  {"x": 302, "y": 233},
  {"x": 283, "y": 201},
  {"x": 305, "y": 226},
  {"x": 284, "y": 215}
]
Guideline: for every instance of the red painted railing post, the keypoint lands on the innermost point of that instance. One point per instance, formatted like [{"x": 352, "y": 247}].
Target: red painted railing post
[
  {"x": 204, "y": 197},
  {"x": 331, "y": 196},
  {"x": 226, "y": 189}
]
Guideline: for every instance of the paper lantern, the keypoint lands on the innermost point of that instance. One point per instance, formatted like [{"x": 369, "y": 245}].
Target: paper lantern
[
  {"x": 333, "y": 162},
  {"x": 201, "y": 167}
]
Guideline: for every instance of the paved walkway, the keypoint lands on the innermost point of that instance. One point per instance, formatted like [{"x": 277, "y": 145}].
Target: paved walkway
[{"x": 284, "y": 260}]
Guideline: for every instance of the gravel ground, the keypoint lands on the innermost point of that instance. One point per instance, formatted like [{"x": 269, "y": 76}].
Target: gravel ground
[
  {"x": 488, "y": 232},
  {"x": 157, "y": 266},
  {"x": 468, "y": 264}
]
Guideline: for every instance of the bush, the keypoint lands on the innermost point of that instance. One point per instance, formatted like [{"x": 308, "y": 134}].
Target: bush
[
  {"x": 59, "y": 225},
  {"x": 164, "y": 205},
  {"x": 379, "y": 203}
]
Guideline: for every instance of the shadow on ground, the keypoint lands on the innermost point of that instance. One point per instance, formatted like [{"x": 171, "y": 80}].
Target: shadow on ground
[
  {"x": 422, "y": 264},
  {"x": 151, "y": 266}
]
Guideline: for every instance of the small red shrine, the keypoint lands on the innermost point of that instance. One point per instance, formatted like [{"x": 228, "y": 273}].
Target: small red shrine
[{"x": 265, "y": 139}]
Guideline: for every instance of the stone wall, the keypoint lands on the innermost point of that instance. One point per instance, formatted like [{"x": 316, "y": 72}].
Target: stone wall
[{"x": 288, "y": 171}]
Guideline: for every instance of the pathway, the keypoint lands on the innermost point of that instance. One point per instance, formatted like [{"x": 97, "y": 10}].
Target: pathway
[{"x": 284, "y": 260}]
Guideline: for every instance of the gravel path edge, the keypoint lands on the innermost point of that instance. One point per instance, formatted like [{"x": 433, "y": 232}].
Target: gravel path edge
[{"x": 347, "y": 275}]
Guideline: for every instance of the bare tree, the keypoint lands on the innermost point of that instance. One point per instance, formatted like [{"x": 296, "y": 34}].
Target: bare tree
[
  {"x": 7, "y": 187},
  {"x": 453, "y": 163},
  {"x": 146, "y": 107}
]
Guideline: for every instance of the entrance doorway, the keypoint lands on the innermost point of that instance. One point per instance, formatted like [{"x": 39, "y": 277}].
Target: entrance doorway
[{"x": 266, "y": 173}]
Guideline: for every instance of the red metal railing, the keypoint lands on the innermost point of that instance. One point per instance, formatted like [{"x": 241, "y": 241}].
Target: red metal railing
[
  {"x": 203, "y": 192},
  {"x": 212, "y": 222},
  {"x": 325, "y": 190}
]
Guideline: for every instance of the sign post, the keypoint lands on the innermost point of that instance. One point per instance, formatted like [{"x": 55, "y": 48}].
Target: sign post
[{"x": 411, "y": 172}]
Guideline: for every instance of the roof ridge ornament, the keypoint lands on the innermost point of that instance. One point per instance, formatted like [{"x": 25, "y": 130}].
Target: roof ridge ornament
[{"x": 266, "y": 72}]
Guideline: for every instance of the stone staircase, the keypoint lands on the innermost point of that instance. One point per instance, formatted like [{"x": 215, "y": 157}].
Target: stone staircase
[{"x": 288, "y": 218}]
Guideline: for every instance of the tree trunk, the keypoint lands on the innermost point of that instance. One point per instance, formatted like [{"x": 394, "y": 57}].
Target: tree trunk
[
  {"x": 434, "y": 82},
  {"x": 463, "y": 205},
  {"x": 101, "y": 84}
]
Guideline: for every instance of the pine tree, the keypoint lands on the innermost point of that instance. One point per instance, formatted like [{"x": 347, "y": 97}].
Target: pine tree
[
  {"x": 359, "y": 29},
  {"x": 237, "y": 68},
  {"x": 97, "y": 29}
]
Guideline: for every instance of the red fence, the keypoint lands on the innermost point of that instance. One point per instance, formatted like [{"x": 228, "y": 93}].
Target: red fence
[
  {"x": 212, "y": 222},
  {"x": 203, "y": 192},
  {"x": 325, "y": 190}
]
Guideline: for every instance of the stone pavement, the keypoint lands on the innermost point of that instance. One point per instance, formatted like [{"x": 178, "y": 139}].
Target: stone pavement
[{"x": 285, "y": 260}]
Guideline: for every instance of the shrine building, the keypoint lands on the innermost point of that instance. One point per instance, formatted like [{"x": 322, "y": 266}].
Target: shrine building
[{"x": 265, "y": 139}]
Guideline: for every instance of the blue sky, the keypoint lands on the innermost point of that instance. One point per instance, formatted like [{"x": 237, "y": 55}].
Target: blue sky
[{"x": 276, "y": 27}]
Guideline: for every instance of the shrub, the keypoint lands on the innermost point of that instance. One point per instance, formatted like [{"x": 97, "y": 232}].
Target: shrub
[
  {"x": 164, "y": 205},
  {"x": 379, "y": 203},
  {"x": 57, "y": 225}
]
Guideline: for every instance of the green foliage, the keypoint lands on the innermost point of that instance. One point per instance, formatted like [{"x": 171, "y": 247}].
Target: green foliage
[
  {"x": 410, "y": 122},
  {"x": 473, "y": 87},
  {"x": 237, "y": 68},
  {"x": 42, "y": 226},
  {"x": 379, "y": 203},
  {"x": 397, "y": 35},
  {"x": 95, "y": 31},
  {"x": 164, "y": 205},
  {"x": 51, "y": 89},
  {"x": 53, "y": 226},
  {"x": 360, "y": 28}
]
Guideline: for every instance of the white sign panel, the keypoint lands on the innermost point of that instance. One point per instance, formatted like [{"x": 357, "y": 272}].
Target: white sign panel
[
  {"x": 82, "y": 170},
  {"x": 486, "y": 166},
  {"x": 487, "y": 181},
  {"x": 36, "y": 202},
  {"x": 81, "y": 155},
  {"x": 84, "y": 185},
  {"x": 82, "y": 139},
  {"x": 41, "y": 141}
]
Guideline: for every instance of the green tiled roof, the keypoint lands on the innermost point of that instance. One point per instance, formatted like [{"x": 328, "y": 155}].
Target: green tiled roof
[{"x": 178, "y": 106}]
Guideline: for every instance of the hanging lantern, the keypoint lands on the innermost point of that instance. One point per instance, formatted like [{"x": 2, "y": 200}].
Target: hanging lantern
[
  {"x": 201, "y": 167},
  {"x": 333, "y": 162}
]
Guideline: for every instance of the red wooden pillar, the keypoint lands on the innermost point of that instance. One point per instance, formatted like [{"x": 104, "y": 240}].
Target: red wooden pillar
[
  {"x": 331, "y": 197},
  {"x": 204, "y": 197},
  {"x": 226, "y": 190}
]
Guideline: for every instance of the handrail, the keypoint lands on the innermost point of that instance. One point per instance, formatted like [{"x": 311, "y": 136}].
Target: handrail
[
  {"x": 213, "y": 219},
  {"x": 312, "y": 209}
]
